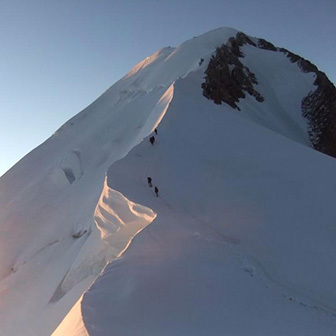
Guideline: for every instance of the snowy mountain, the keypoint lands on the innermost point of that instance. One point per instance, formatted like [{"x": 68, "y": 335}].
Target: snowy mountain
[{"x": 241, "y": 239}]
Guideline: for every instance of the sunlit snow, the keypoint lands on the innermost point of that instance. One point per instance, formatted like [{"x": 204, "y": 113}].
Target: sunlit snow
[{"x": 240, "y": 241}]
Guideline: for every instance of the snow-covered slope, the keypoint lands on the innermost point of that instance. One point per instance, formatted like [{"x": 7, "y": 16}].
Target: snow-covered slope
[
  {"x": 49, "y": 240},
  {"x": 241, "y": 237},
  {"x": 243, "y": 241}
]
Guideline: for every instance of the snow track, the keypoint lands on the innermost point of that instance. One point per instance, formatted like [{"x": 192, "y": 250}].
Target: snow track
[
  {"x": 233, "y": 250},
  {"x": 51, "y": 196}
]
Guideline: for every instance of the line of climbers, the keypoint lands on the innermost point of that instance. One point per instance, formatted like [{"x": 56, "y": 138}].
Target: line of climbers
[
  {"x": 156, "y": 190},
  {"x": 149, "y": 179},
  {"x": 152, "y": 138}
]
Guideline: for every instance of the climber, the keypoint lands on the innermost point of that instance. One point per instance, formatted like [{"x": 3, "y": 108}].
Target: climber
[
  {"x": 149, "y": 181},
  {"x": 152, "y": 140},
  {"x": 155, "y": 131},
  {"x": 156, "y": 191}
]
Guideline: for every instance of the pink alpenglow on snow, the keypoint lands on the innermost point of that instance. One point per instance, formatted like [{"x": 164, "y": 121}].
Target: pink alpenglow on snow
[{"x": 240, "y": 240}]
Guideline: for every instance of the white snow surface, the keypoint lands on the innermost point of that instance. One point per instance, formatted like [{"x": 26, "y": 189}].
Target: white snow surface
[{"x": 240, "y": 241}]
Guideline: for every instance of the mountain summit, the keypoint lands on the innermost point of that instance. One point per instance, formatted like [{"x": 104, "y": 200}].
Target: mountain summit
[{"x": 193, "y": 197}]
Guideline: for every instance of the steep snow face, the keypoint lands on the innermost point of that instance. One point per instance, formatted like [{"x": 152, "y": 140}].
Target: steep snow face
[
  {"x": 283, "y": 85},
  {"x": 255, "y": 68},
  {"x": 243, "y": 241},
  {"x": 47, "y": 205},
  {"x": 228, "y": 79},
  {"x": 50, "y": 245},
  {"x": 60, "y": 222}
]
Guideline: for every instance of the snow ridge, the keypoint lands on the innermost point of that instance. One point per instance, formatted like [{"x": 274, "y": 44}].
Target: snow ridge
[
  {"x": 227, "y": 79},
  {"x": 224, "y": 213},
  {"x": 227, "y": 244},
  {"x": 52, "y": 193}
]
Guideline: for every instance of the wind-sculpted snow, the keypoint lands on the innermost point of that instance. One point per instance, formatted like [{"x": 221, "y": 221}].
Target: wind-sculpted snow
[
  {"x": 243, "y": 239},
  {"x": 50, "y": 246},
  {"x": 238, "y": 239},
  {"x": 118, "y": 220}
]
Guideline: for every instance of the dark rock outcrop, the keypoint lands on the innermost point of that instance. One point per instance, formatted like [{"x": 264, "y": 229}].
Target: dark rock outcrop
[
  {"x": 227, "y": 80},
  {"x": 238, "y": 41},
  {"x": 319, "y": 107},
  {"x": 304, "y": 64},
  {"x": 263, "y": 44}
]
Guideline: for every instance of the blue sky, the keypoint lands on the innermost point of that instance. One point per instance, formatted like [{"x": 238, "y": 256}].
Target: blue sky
[{"x": 58, "y": 56}]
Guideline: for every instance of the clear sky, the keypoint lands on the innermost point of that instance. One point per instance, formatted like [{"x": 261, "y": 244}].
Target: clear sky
[{"x": 56, "y": 57}]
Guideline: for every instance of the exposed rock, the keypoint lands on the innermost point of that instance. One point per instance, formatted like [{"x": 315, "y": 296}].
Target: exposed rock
[
  {"x": 319, "y": 107},
  {"x": 238, "y": 41},
  {"x": 227, "y": 79},
  {"x": 263, "y": 44},
  {"x": 304, "y": 64},
  {"x": 242, "y": 39}
]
